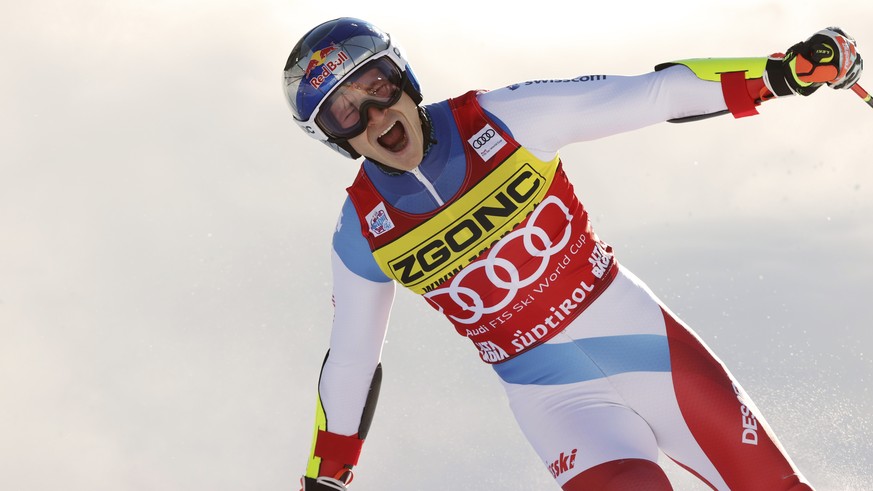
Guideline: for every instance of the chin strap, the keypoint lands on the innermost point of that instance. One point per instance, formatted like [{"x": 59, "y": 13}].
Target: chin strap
[{"x": 427, "y": 129}]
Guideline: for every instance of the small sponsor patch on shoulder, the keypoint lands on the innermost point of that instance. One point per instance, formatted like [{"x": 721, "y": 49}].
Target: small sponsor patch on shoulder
[
  {"x": 487, "y": 142},
  {"x": 378, "y": 220}
]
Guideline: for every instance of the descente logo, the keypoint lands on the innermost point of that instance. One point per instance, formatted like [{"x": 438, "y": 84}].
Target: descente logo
[{"x": 750, "y": 423}]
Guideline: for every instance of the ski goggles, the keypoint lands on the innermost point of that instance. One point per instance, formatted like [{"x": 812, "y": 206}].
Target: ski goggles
[{"x": 343, "y": 114}]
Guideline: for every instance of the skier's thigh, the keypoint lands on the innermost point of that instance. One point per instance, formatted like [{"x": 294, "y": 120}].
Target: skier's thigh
[
  {"x": 575, "y": 427},
  {"x": 621, "y": 475}
]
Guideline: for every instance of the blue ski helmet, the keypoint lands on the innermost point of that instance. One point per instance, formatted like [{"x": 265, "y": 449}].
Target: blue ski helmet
[{"x": 325, "y": 57}]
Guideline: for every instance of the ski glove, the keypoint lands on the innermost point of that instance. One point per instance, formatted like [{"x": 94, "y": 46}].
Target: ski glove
[
  {"x": 830, "y": 57},
  {"x": 323, "y": 483}
]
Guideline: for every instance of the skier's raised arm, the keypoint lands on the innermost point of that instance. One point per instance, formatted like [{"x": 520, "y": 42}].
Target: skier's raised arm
[{"x": 546, "y": 115}]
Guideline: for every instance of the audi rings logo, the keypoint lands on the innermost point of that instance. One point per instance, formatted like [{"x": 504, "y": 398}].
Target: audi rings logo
[
  {"x": 484, "y": 138},
  {"x": 470, "y": 300},
  {"x": 486, "y": 142}
]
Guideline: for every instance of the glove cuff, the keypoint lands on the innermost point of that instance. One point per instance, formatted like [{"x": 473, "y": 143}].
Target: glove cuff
[
  {"x": 324, "y": 483},
  {"x": 775, "y": 76}
]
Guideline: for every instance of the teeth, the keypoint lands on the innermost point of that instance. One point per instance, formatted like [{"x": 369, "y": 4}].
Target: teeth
[{"x": 387, "y": 130}]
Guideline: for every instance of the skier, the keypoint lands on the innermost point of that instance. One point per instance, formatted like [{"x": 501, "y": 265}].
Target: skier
[{"x": 465, "y": 202}]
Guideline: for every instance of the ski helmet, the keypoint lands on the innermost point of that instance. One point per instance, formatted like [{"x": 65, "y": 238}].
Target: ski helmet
[{"x": 329, "y": 55}]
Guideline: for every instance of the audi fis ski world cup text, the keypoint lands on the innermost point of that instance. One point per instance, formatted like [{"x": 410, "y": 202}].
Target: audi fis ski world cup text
[{"x": 600, "y": 261}]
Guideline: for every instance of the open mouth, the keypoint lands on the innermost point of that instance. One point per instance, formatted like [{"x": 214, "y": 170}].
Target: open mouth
[{"x": 394, "y": 139}]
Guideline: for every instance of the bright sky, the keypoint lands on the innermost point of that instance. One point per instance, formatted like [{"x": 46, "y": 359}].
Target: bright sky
[{"x": 164, "y": 240}]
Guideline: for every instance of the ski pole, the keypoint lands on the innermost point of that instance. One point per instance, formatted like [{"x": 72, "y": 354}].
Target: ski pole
[{"x": 863, "y": 94}]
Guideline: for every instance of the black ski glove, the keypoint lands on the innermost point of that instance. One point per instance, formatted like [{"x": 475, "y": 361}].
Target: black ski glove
[{"x": 830, "y": 57}]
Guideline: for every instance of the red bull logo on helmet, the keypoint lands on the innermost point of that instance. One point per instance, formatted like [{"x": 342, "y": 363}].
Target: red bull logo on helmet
[{"x": 329, "y": 60}]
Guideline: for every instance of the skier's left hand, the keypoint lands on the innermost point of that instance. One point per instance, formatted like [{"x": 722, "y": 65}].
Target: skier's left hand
[{"x": 830, "y": 57}]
